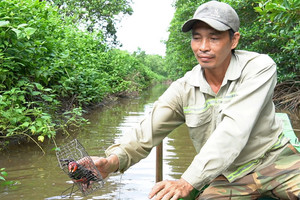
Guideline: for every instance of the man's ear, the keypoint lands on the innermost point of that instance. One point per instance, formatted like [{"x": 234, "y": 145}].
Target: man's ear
[{"x": 235, "y": 40}]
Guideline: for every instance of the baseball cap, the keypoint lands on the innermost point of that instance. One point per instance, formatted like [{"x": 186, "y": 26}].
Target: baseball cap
[{"x": 218, "y": 15}]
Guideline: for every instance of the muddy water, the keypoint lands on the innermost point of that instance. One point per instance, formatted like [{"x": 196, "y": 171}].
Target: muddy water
[{"x": 39, "y": 176}]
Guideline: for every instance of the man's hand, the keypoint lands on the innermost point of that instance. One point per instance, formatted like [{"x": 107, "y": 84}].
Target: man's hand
[
  {"x": 106, "y": 165},
  {"x": 171, "y": 190}
]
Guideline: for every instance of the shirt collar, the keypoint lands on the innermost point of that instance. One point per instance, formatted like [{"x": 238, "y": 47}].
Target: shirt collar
[
  {"x": 233, "y": 71},
  {"x": 197, "y": 79}
]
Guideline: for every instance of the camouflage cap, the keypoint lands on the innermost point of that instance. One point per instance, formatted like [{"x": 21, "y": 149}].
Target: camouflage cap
[{"x": 218, "y": 15}]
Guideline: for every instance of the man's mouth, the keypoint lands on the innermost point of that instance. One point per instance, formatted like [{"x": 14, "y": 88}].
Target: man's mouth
[{"x": 205, "y": 58}]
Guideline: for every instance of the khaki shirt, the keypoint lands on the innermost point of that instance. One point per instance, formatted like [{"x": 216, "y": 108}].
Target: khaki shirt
[{"x": 234, "y": 131}]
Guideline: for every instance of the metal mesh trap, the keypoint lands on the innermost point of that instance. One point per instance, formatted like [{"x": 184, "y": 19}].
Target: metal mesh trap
[{"x": 78, "y": 165}]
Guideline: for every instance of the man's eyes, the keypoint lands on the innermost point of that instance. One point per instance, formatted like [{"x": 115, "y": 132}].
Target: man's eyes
[{"x": 211, "y": 38}]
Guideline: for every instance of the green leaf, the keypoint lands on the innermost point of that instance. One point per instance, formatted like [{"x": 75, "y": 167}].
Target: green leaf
[
  {"x": 258, "y": 9},
  {"x": 2, "y": 178},
  {"x": 18, "y": 32},
  {"x": 39, "y": 86},
  {"x": 25, "y": 124},
  {"x": 4, "y": 173},
  {"x": 47, "y": 89},
  {"x": 35, "y": 93},
  {"x": 4, "y": 23},
  {"x": 29, "y": 31},
  {"x": 9, "y": 183},
  {"x": 33, "y": 129},
  {"x": 56, "y": 149},
  {"x": 21, "y": 98},
  {"x": 47, "y": 98},
  {"x": 22, "y": 25}
]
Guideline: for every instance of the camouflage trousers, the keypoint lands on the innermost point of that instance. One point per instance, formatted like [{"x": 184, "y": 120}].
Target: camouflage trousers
[{"x": 281, "y": 180}]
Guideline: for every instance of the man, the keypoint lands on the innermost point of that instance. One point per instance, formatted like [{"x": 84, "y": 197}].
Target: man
[{"x": 226, "y": 102}]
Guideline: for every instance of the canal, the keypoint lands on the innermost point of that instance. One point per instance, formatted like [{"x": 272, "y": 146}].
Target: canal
[{"x": 39, "y": 177}]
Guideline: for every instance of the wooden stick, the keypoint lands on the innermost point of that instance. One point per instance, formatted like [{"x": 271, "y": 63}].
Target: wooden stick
[{"x": 159, "y": 162}]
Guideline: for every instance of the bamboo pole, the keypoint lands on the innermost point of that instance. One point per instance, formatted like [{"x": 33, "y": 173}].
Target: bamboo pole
[{"x": 159, "y": 162}]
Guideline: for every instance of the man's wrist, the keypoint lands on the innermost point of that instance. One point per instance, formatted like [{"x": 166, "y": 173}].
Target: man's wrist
[
  {"x": 114, "y": 162},
  {"x": 187, "y": 185}
]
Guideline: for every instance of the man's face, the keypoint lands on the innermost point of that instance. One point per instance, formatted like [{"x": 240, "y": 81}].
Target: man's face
[{"x": 212, "y": 48}]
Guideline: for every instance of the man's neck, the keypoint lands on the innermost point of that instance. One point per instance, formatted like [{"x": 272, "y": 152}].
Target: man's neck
[{"x": 214, "y": 77}]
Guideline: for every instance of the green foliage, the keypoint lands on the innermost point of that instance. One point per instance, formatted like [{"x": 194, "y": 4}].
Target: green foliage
[
  {"x": 25, "y": 105},
  {"x": 3, "y": 173},
  {"x": 281, "y": 19},
  {"x": 96, "y": 14},
  {"x": 21, "y": 110},
  {"x": 154, "y": 63},
  {"x": 3, "y": 181},
  {"x": 270, "y": 27},
  {"x": 50, "y": 70}
]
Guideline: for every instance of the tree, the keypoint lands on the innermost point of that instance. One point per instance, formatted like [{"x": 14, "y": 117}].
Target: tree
[
  {"x": 155, "y": 63},
  {"x": 96, "y": 14},
  {"x": 281, "y": 25}
]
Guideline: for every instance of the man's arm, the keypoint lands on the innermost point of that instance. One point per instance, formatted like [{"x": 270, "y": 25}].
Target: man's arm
[{"x": 137, "y": 143}]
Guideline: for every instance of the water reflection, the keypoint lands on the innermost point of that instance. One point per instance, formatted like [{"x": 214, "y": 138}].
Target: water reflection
[
  {"x": 136, "y": 182},
  {"x": 41, "y": 178},
  {"x": 179, "y": 152}
]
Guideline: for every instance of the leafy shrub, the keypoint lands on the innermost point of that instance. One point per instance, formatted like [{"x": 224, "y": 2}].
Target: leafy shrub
[
  {"x": 281, "y": 20},
  {"x": 50, "y": 70}
]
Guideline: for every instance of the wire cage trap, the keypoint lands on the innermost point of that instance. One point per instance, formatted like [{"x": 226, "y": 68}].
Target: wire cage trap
[{"x": 78, "y": 165}]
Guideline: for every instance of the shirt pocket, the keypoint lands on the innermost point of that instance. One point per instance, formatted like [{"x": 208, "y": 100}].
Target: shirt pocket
[
  {"x": 198, "y": 119},
  {"x": 200, "y": 127}
]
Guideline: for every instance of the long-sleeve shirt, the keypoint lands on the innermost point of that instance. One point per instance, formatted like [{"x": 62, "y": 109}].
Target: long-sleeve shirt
[{"x": 234, "y": 131}]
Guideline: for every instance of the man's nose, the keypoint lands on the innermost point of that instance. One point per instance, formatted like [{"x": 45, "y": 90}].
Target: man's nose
[{"x": 204, "y": 45}]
